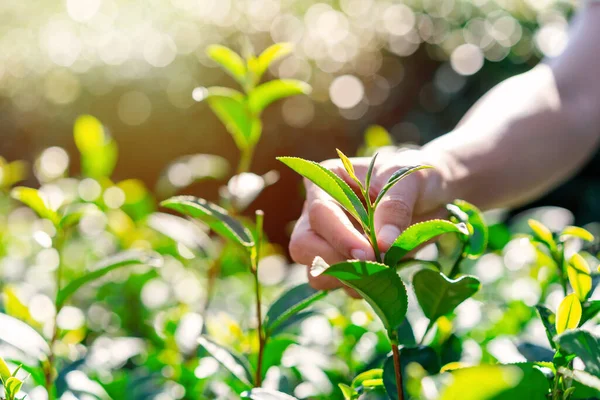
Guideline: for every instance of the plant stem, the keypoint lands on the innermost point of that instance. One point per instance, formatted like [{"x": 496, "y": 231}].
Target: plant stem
[
  {"x": 397, "y": 367},
  {"x": 245, "y": 160},
  {"x": 372, "y": 235},
  {"x": 262, "y": 339},
  {"x": 429, "y": 326}
]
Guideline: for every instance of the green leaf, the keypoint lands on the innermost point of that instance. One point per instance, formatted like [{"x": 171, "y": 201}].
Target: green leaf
[
  {"x": 371, "y": 374},
  {"x": 549, "y": 320},
  {"x": 4, "y": 370},
  {"x": 370, "y": 173},
  {"x": 98, "y": 150},
  {"x": 270, "y": 55},
  {"x": 584, "y": 345},
  {"x": 274, "y": 350},
  {"x": 231, "y": 62},
  {"x": 577, "y": 232},
  {"x": 417, "y": 234},
  {"x": 214, "y": 216},
  {"x": 498, "y": 382},
  {"x": 126, "y": 258},
  {"x": 568, "y": 314},
  {"x": 266, "y": 394},
  {"x": 234, "y": 363},
  {"x": 580, "y": 277},
  {"x": 589, "y": 310},
  {"x": 290, "y": 303},
  {"x": 422, "y": 355},
  {"x": 291, "y": 321},
  {"x": 12, "y": 386},
  {"x": 263, "y": 95},
  {"x": 35, "y": 200},
  {"x": 379, "y": 285},
  {"x": 478, "y": 239},
  {"x": 232, "y": 111},
  {"x": 438, "y": 295},
  {"x": 542, "y": 233},
  {"x": 348, "y": 392},
  {"x": 330, "y": 183},
  {"x": 397, "y": 177},
  {"x": 20, "y": 335}
]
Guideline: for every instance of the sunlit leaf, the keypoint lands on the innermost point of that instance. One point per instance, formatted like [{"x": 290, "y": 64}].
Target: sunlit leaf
[
  {"x": 438, "y": 295},
  {"x": 11, "y": 173},
  {"x": 478, "y": 239},
  {"x": 266, "y": 394},
  {"x": 107, "y": 265},
  {"x": 377, "y": 136},
  {"x": 584, "y": 345},
  {"x": 418, "y": 234},
  {"x": 12, "y": 385},
  {"x": 576, "y": 231},
  {"x": 98, "y": 150},
  {"x": 580, "y": 277},
  {"x": 589, "y": 310},
  {"x": 422, "y": 355},
  {"x": 379, "y": 285},
  {"x": 290, "y": 303},
  {"x": 229, "y": 60},
  {"x": 330, "y": 183},
  {"x": 4, "y": 370},
  {"x": 568, "y": 314},
  {"x": 396, "y": 177},
  {"x": 371, "y": 374},
  {"x": 347, "y": 164},
  {"x": 20, "y": 335},
  {"x": 348, "y": 392},
  {"x": 263, "y": 95},
  {"x": 234, "y": 114},
  {"x": 582, "y": 377},
  {"x": 35, "y": 200},
  {"x": 214, "y": 216},
  {"x": 234, "y": 363},
  {"x": 270, "y": 55},
  {"x": 542, "y": 233}
]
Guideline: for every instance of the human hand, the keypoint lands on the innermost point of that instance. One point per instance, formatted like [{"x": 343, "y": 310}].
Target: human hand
[{"x": 324, "y": 229}]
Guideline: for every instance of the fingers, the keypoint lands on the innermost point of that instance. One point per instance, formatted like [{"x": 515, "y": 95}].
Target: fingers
[{"x": 394, "y": 212}]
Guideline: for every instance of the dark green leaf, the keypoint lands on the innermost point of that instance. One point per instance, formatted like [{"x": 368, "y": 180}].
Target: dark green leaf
[
  {"x": 534, "y": 353},
  {"x": 234, "y": 363},
  {"x": 214, "y": 216},
  {"x": 549, "y": 320},
  {"x": 23, "y": 337},
  {"x": 379, "y": 285},
  {"x": 262, "y": 96},
  {"x": 370, "y": 172},
  {"x": 590, "y": 309},
  {"x": 33, "y": 199},
  {"x": 584, "y": 345},
  {"x": 396, "y": 177},
  {"x": 330, "y": 183},
  {"x": 131, "y": 257},
  {"x": 418, "y": 234},
  {"x": 290, "y": 303},
  {"x": 438, "y": 295},
  {"x": 478, "y": 238},
  {"x": 406, "y": 336},
  {"x": 422, "y": 355},
  {"x": 266, "y": 394},
  {"x": 231, "y": 62},
  {"x": 291, "y": 321}
]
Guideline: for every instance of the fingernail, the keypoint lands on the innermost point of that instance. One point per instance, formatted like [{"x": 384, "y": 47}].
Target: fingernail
[
  {"x": 388, "y": 234},
  {"x": 358, "y": 254}
]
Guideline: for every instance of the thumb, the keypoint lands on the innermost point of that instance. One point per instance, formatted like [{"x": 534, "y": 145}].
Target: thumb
[{"x": 394, "y": 212}]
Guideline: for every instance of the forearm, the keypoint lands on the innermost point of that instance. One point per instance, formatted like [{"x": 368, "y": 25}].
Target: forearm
[{"x": 532, "y": 131}]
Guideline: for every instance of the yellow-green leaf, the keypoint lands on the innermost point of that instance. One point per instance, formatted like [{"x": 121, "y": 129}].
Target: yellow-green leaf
[
  {"x": 568, "y": 314},
  {"x": 36, "y": 201},
  {"x": 347, "y": 164},
  {"x": 542, "y": 233},
  {"x": 268, "y": 56},
  {"x": 4, "y": 370},
  {"x": 348, "y": 392},
  {"x": 262, "y": 96},
  {"x": 377, "y": 136},
  {"x": 12, "y": 386},
  {"x": 98, "y": 150},
  {"x": 580, "y": 277},
  {"x": 229, "y": 60},
  {"x": 577, "y": 232}
]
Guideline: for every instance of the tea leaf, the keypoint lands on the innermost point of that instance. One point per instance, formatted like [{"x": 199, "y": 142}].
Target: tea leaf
[
  {"x": 549, "y": 320},
  {"x": 577, "y": 232},
  {"x": 291, "y": 302},
  {"x": 20, "y": 335},
  {"x": 269, "y": 56},
  {"x": 589, "y": 310},
  {"x": 370, "y": 173},
  {"x": 263, "y": 95},
  {"x": 231, "y": 62},
  {"x": 11, "y": 173},
  {"x": 542, "y": 233},
  {"x": 292, "y": 320},
  {"x": 348, "y": 392},
  {"x": 379, "y": 285},
  {"x": 274, "y": 350},
  {"x": 372, "y": 374},
  {"x": 397, "y": 177},
  {"x": 347, "y": 164},
  {"x": 425, "y": 356},
  {"x": 98, "y": 150},
  {"x": 4, "y": 370},
  {"x": 438, "y": 295},
  {"x": 12, "y": 386},
  {"x": 579, "y": 274},
  {"x": 107, "y": 265},
  {"x": 35, "y": 200},
  {"x": 330, "y": 183},
  {"x": 568, "y": 314},
  {"x": 234, "y": 363},
  {"x": 582, "y": 377},
  {"x": 417, "y": 234},
  {"x": 478, "y": 239},
  {"x": 266, "y": 394},
  {"x": 214, "y": 216},
  {"x": 584, "y": 345},
  {"x": 234, "y": 114}
]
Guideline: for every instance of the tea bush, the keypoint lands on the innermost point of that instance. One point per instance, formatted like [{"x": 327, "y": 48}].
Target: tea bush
[{"x": 106, "y": 296}]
